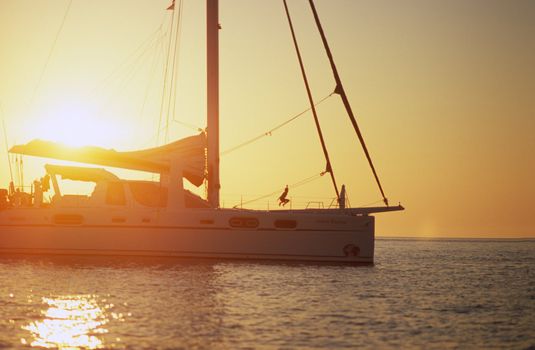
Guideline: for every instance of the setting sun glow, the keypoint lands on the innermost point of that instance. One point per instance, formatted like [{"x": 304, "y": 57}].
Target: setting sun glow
[
  {"x": 75, "y": 124},
  {"x": 68, "y": 322}
]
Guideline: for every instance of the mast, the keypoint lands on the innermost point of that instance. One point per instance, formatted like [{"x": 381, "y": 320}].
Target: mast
[{"x": 212, "y": 74}]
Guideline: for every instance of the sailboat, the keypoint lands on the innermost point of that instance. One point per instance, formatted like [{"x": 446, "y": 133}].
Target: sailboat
[{"x": 162, "y": 218}]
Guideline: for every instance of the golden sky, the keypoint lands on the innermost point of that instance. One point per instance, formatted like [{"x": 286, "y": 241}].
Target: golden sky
[{"x": 444, "y": 92}]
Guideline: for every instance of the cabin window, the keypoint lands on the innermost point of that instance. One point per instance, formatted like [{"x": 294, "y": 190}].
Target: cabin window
[
  {"x": 285, "y": 224},
  {"x": 115, "y": 194},
  {"x": 244, "y": 222},
  {"x": 149, "y": 194},
  {"x": 68, "y": 219}
]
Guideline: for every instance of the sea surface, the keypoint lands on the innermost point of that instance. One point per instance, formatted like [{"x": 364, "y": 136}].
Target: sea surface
[{"x": 419, "y": 294}]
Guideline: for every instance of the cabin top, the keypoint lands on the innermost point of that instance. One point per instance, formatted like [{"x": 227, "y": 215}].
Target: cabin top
[{"x": 109, "y": 191}]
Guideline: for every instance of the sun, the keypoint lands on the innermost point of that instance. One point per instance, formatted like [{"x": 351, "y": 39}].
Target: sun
[{"x": 75, "y": 124}]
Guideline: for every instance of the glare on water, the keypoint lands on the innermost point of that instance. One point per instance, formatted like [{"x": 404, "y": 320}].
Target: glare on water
[{"x": 68, "y": 322}]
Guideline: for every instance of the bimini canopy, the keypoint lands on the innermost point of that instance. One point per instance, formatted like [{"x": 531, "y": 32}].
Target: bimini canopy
[
  {"x": 189, "y": 153},
  {"x": 77, "y": 173}
]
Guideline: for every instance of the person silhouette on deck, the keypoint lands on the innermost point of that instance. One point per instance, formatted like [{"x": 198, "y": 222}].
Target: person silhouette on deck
[{"x": 282, "y": 199}]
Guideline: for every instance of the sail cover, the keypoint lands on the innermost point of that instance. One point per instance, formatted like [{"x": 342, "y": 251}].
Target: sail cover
[{"x": 189, "y": 153}]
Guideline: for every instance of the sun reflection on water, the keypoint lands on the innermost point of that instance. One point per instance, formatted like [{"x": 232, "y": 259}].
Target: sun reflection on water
[{"x": 69, "y": 322}]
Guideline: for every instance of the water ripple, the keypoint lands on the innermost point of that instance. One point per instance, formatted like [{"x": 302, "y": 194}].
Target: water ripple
[{"x": 420, "y": 294}]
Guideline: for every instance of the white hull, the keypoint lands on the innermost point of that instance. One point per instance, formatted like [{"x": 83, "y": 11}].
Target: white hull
[{"x": 198, "y": 233}]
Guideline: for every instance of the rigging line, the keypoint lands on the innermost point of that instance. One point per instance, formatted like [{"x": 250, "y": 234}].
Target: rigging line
[
  {"x": 172, "y": 90},
  {"x": 6, "y": 143},
  {"x": 340, "y": 90},
  {"x": 130, "y": 74},
  {"x": 157, "y": 126},
  {"x": 311, "y": 100},
  {"x": 188, "y": 125},
  {"x": 294, "y": 185},
  {"x": 50, "y": 53},
  {"x": 177, "y": 48},
  {"x": 156, "y": 136},
  {"x": 152, "y": 74},
  {"x": 372, "y": 203},
  {"x": 270, "y": 131},
  {"x": 148, "y": 41},
  {"x": 165, "y": 71}
]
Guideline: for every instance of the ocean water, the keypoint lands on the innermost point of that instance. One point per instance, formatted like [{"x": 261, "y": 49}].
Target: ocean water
[{"x": 419, "y": 294}]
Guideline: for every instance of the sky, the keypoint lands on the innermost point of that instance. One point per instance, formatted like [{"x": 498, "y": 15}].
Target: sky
[{"x": 443, "y": 92}]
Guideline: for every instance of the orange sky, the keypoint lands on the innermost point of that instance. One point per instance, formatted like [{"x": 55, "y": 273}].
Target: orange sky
[{"x": 443, "y": 92}]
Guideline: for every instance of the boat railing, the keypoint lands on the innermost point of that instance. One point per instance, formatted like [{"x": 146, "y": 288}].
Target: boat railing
[
  {"x": 315, "y": 205},
  {"x": 333, "y": 204}
]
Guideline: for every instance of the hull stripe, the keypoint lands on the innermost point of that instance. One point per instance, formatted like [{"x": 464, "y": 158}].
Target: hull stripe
[
  {"x": 175, "y": 227},
  {"x": 184, "y": 254}
]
